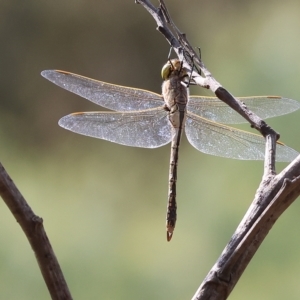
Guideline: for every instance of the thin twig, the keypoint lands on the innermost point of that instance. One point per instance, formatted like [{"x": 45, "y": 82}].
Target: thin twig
[{"x": 33, "y": 228}]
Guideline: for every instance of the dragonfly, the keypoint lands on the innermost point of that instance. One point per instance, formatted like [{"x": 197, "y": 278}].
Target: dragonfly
[{"x": 141, "y": 118}]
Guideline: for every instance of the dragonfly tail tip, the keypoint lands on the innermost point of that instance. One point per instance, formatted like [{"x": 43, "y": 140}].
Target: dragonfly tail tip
[{"x": 169, "y": 236}]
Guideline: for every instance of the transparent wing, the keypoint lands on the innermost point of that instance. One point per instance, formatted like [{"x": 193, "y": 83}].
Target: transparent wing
[
  {"x": 146, "y": 129},
  {"x": 264, "y": 106},
  {"x": 111, "y": 96},
  {"x": 220, "y": 140}
]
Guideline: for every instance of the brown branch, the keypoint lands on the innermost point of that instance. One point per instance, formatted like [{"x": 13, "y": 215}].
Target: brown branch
[
  {"x": 188, "y": 55},
  {"x": 275, "y": 193},
  {"x": 33, "y": 228},
  {"x": 273, "y": 197}
]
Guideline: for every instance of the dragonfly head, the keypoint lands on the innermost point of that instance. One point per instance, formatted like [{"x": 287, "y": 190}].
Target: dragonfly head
[{"x": 173, "y": 67}]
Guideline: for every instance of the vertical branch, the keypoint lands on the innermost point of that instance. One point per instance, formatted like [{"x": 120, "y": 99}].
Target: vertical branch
[{"x": 270, "y": 154}]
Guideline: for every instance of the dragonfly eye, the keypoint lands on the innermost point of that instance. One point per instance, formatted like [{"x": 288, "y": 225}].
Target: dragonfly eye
[
  {"x": 166, "y": 71},
  {"x": 171, "y": 66}
]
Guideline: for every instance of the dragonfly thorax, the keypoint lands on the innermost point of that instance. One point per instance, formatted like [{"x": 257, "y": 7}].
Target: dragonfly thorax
[{"x": 174, "y": 89}]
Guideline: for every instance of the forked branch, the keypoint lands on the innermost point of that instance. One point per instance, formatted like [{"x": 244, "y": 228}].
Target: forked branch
[
  {"x": 273, "y": 197},
  {"x": 275, "y": 193}
]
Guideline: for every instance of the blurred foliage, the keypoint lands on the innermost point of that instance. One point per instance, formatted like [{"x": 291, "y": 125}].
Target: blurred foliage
[{"x": 104, "y": 204}]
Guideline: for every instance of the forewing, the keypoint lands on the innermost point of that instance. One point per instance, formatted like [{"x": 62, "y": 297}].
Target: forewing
[
  {"x": 220, "y": 140},
  {"x": 146, "y": 129},
  {"x": 111, "y": 96},
  {"x": 264, "y": 106}
]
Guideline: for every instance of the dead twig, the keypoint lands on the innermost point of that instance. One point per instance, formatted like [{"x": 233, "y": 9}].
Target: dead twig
[
  {"x": 32, "y": 225},
  {"x": 273, "y": 197}
]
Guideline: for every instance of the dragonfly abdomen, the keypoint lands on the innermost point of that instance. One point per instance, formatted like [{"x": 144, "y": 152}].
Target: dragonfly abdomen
[{"x": 172, "y": 206}]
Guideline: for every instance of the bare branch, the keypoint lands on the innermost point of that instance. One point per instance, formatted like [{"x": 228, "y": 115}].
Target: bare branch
[
  {"x": 32, "y": 226},
  {"x": 273, "y": 197},
  {"x": 188, "y": 55},
  {"x": 275, "y": 193}
]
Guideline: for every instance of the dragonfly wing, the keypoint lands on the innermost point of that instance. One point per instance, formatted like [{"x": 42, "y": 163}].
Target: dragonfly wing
[
  {"x": 111, "y": 96},
  {"x": 221, "y": 140},
  {"x": 264, "y": 106},
  {"x": 146, "y": 129}
]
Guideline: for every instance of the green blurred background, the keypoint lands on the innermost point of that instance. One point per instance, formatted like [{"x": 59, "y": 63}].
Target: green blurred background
[{"x": 104, "y": 204}]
